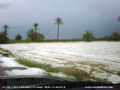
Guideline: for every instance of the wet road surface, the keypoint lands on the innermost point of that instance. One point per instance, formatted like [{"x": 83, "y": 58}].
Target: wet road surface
[
  {"x": 2, "y": 73},
  {"x": 3, "y": 69}
]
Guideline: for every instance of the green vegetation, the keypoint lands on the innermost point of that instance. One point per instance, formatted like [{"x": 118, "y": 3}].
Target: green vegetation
[
  {"x": 18, "y": 37},
  {"x": 3, "y": 37},
  {"x": 4, "y": 50},
  {"x": 78, "y": 74},
  {"x": 35, "y": 25},
  {"x": 71, "y": 72},
  {"x": 58, "y": 22},
  {"x": 20, "y": 41},
  {"x": 62, "y": 40},
  {"x": 34, "y": 36},
  {"x": 5, "y": 27},
  {"x": 115, "y": 36},
  {"x": 28, "y": 40},
  {"x": 41, "y": 41},
  {"x": 30, "y": 34},
  {"x": 88, "y": 36},
  {"x": 33, "y": 64},
  {"x": 48, "y": 68}
]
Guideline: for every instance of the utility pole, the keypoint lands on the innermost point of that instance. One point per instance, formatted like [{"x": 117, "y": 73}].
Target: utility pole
[{"x": 119, "y": 19}]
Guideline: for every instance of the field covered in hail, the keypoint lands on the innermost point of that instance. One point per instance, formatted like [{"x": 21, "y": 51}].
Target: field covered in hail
[{"x": 99, "y": 59}]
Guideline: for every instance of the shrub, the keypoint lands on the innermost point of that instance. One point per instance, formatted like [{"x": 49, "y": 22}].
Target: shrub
[
  {"x": 35, "y": 36},
  {"x": 88, "y": 36},
  {"x": 3, "y": 37},
  {"x": 18, "y": 37},
  {"x": 115, "y": 36}
]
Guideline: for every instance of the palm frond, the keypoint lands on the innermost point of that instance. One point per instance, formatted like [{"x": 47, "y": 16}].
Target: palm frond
[
  {"x": 35, "y": 24},
  {"x": 58, "y": 21},
  {"x": 5, "y": 26}
]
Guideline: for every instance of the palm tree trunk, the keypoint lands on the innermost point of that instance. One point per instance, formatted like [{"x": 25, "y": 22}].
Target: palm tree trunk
[{"x": 58, "y": 33}]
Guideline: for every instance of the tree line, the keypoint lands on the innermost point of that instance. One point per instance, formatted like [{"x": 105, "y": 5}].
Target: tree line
[
  {"x": 88, "y": 36},
  {"x": 33, "y": 35}
]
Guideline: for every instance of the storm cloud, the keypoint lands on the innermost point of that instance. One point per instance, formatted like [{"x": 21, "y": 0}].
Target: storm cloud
[
  {"x": 98, "y": 16},
  {"x": 3, "y": 6}
]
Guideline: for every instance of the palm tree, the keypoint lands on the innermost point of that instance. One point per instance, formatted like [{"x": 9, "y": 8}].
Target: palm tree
[
  {"x": 5, "y": 27},
  {"x": 35, "y": 25},
  {"x": 58, "y": 22},
  {"x": 88, "y": 35}
]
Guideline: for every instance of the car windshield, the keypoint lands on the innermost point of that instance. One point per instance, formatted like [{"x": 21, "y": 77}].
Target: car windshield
[{"x": 73, "y": 39}]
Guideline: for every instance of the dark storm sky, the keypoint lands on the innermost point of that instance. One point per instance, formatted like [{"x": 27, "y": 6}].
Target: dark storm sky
[{"x": 98, "y": 16}]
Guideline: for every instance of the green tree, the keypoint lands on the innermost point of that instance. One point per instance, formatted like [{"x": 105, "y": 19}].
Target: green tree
[
  {"x": 38, "y": 36},
  {"x": 115, "y": 36},
  {"x": 3, "y": 38},
  {"x": 88, "y": 36},
  {"x": 58, "y": 22},
  {"x": 6, "y": 27},
  {"x": 35, "y": 25},
  {"x": 32, "y": 30},
  {"x": 34, "y": 36},
  {"x": 18, "y": 37},
  {"x": 41, "y": 36},
  {"x": 30, "y": 35}
]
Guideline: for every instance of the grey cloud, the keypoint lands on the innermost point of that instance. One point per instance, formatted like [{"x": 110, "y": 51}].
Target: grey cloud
[
  {"x": 98, "y": 16},
  {"x": 3, "y": 6}
]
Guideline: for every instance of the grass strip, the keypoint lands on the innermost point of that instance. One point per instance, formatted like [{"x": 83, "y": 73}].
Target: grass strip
[
  {"x": 47, "y": 67},
  {"x": 33, "y": 64},
  {"x": 70, "y": 72},
  {"x": 4, "y": 50},
  {"x": 78, "y": 74}
]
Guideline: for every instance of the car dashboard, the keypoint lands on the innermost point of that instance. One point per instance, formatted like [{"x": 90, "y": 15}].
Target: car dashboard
[{"x": 50, "y": 82}]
